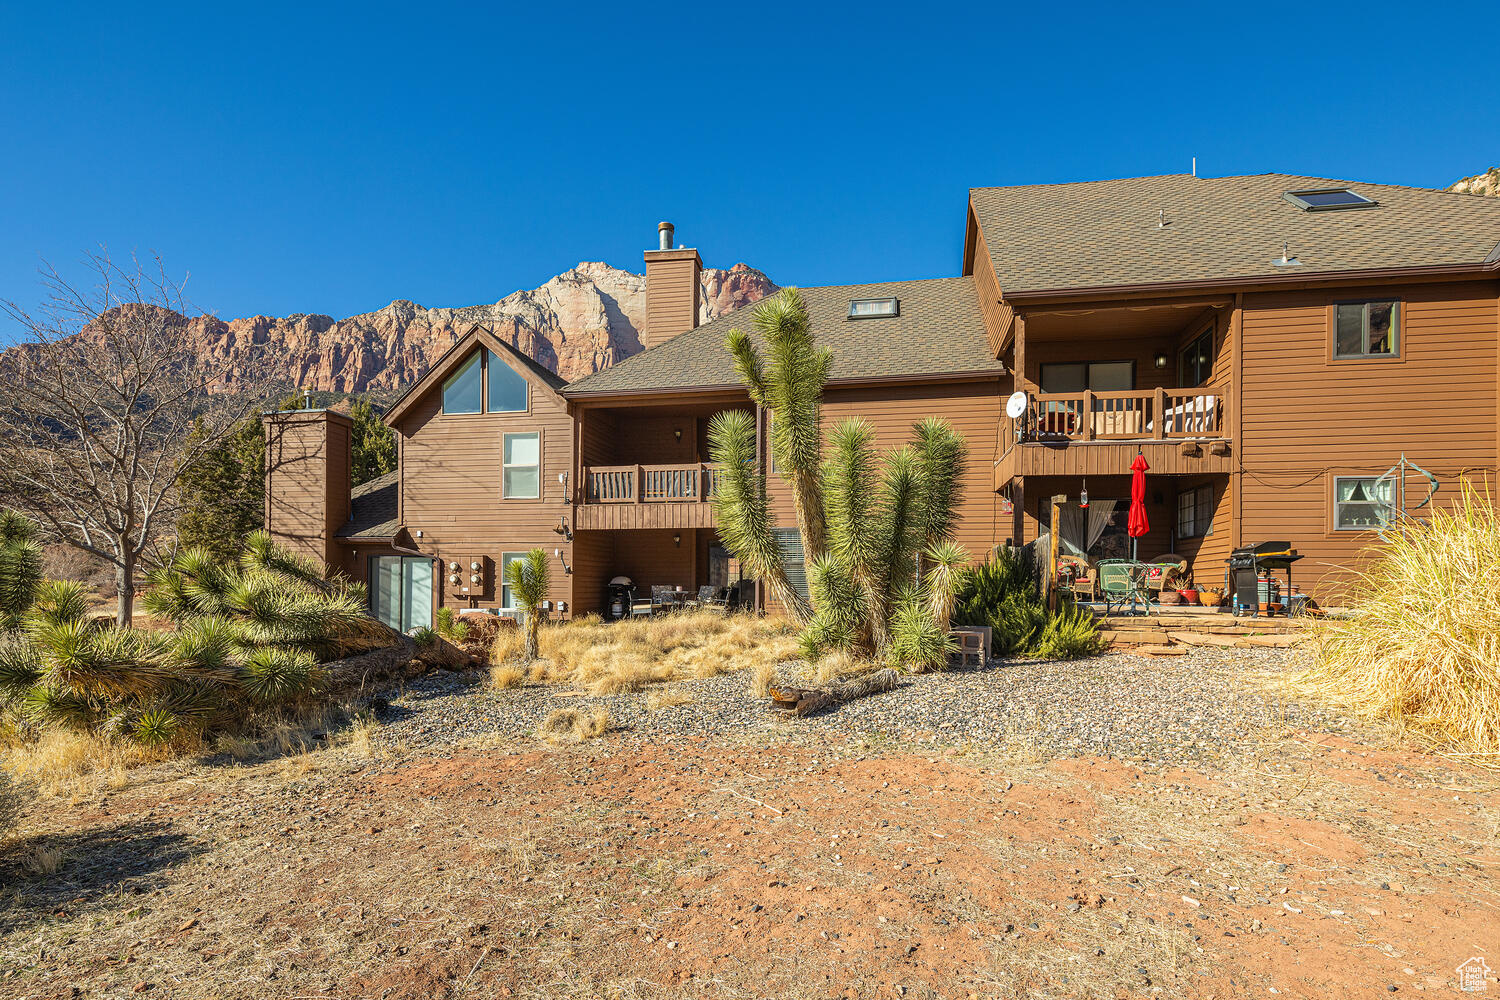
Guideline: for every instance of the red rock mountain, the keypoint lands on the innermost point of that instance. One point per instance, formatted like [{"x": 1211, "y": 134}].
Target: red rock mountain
[{"x": 579, "y": 322}]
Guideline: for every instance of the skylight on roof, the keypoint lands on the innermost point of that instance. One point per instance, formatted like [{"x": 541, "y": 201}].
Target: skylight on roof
[
  {"x": 874, "y": 308},
  {"x": 1328, "y": 199}
]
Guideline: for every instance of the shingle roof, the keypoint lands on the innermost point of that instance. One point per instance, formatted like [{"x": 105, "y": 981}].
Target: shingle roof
[
  {"x": 541, "y": 371},
  {"x": 1106, "y": 233},
  {"x": 372, "y": 509},
  {"x": 939, "y": 332}
]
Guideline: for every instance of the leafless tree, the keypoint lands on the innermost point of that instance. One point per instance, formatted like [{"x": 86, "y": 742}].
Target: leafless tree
[{"x": 96, "y": 405}]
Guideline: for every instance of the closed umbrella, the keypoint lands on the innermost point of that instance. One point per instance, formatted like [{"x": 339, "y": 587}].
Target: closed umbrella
[{"x": 1138, "y": 524}]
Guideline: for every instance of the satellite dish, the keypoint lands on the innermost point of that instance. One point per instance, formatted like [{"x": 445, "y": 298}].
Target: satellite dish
[{"x": 1015, "y": 406}]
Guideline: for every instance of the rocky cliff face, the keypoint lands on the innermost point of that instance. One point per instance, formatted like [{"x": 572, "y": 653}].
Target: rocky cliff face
[
  {"x": 1486, "y": 183},
  {"x": 580, "y": 322}
]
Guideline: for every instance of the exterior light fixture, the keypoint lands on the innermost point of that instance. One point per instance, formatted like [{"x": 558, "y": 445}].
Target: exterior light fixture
[
  {"x": 1160, "y": 360},
  {"x": 677, "y": 540},
  {"x": 567, "y": 570},
  {"x": 677, "y": 433}
]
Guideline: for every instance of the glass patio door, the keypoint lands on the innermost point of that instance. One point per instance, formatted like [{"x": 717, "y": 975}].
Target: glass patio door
[{"x": 401, "y": 589}]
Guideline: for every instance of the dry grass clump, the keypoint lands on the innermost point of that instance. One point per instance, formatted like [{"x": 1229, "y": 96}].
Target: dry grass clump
[
  {"x": 13, "y": 795},
  {"x": 570, "y": 725},
  {"x": 63, "y": 762},
  {"x": 630, "y": 655},
  {"x": 509, "y": 646},
  {"x": 506, "y": 675},
  {"x": 1421, "y": 645}
]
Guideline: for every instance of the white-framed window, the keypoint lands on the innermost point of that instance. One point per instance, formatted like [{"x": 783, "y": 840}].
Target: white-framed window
[
  {"x": 507, "y": 600},
  {"x": 1362, "y": 503},
  {"x": 1366, "y": 330},
  {"x": 1195, "y": 512},
  {"x": 463, "y": 391},
  {"x": 521, "y": 472}
]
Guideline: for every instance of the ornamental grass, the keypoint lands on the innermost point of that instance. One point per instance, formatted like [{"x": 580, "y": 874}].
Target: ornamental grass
[{"x": 1420, "y": 646}]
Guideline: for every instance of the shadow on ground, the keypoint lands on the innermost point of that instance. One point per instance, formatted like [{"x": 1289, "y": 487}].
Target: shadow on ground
[{"x": 127, "y": 858}]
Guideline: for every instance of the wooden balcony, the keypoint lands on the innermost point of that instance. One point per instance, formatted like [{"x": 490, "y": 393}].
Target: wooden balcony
[
  {"x": 1180, "y": 431},
  {"x": 647, "y": 496}
]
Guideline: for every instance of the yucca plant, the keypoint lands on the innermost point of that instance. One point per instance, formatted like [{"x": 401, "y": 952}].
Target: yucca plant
[
  {"x": 870, "y": 526},
  {"x": 529, "y": 583},
  {"x": 20, "y": 567}
]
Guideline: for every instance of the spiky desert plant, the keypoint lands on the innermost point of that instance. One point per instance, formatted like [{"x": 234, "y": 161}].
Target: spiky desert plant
[
  {"x": 789, "y": 382},
  {"x": 918, "y": 641},
  {"x": 529, "y": 583},
  {"x": 20, "y": 567},
  {"x": 742, "y": 509}
]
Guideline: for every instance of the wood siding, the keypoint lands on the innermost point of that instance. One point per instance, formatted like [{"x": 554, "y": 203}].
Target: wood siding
[
  {"x": 307, "y": 481},
  {"x": 997, "y": 313},
  {"x": 1103, "y": 458},
  {"x": 973, "y": 408},
  {"x": 451, "y": 488},
  {"x": 1306, "y": 418},
  {"x": 672, "y": 294}
]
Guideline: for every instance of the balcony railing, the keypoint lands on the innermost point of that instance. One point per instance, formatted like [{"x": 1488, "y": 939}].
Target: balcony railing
[
  {"x": 695, "y": 482},
  {"x": 1137, "y": 415}
]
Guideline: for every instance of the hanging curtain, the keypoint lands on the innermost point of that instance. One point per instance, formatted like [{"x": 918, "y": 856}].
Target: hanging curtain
[
  {"x": 1071, "y": 536},
  {"x": 1099, "y": 512}
]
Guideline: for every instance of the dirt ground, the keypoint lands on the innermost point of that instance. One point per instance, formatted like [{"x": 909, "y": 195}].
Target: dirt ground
[{"x": 642, "y": 865}]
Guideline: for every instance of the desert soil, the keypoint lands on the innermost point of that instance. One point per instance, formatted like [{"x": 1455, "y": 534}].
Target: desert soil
[{"x": 1298, "y": 857}]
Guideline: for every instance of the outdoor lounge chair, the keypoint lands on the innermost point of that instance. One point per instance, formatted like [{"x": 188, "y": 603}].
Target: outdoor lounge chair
[
  {"x": 709, "y": 597},
  {"x": 1084, "y": 580},
  {"x": 661, "y": 600}
]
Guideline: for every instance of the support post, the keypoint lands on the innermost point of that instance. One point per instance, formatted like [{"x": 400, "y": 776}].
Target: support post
[
  {"x": 1161, "y": 414},
  {"x": 1088, "y": 415},
  {"x": 1052, "y": 550}
]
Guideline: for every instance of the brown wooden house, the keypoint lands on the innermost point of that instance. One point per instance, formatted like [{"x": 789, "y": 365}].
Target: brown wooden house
[{"x": 1271, "y": 344}]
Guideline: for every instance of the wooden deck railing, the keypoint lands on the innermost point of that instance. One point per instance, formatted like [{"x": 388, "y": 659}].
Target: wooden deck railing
[
  {"x": 1137, "y": 415},
  {"x": 695, "y": 482}
]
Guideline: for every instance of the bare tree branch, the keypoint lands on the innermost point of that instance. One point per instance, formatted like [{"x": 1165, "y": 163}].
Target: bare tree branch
[{"x": 96, "y": 405}]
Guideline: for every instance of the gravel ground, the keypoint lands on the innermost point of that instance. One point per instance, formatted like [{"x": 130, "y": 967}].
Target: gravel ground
[{"x": 1165, "y": 711}]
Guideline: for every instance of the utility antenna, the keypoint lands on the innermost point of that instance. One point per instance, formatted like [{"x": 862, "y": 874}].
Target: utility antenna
[{"x": 1195, "y": 166}]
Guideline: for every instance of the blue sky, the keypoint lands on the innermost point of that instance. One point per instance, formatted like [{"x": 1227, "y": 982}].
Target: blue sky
[{"x": 298, "y": 160}]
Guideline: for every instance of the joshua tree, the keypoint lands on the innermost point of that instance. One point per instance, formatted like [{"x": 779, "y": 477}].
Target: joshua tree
[
  {"x": 20, "y": 568},
  {"x": 528, "y": 581},
  {"x": 96, "y": 406},
  {"x": 876, "y": 533}
]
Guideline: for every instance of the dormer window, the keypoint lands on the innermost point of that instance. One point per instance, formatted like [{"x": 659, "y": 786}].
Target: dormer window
[
  {"x": 1328, "y": 199},
  {"x": 874, "y": 308}
]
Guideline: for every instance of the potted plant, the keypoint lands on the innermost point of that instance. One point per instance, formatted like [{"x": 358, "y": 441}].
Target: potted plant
[
  {"x": 1210, "y": 598},
  {"x": 1169, "y": 597},
  {"x": 1189, "y": 595}
]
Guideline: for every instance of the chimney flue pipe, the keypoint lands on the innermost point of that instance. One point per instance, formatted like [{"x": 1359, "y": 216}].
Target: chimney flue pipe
[{"x": 664, "y": 230}]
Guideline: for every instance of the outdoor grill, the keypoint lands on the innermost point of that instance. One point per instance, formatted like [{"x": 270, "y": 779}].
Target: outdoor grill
[
  {"x": 619, "y": 595},
  {"x": 1249, "y": 565}
]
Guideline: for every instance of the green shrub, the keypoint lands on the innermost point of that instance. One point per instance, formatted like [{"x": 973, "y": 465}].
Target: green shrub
[
  {"x": 450, "y": 627},
  {"x": 1005, "y": 593}
]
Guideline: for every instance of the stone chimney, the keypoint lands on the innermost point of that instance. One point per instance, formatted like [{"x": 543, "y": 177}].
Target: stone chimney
[
  {"x": 672, "y": 289},
  {"x": 307, "y": 480}
]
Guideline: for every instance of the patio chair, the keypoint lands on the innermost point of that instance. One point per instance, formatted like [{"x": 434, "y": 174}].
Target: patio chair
[
  {"x": 662, "y": 600},
  {"x": 1083, "y": 581},
  {"x": 708, "y": 597},
  {"x": 1176, "y": 574},
  {"x": 1122, "y": 582}
]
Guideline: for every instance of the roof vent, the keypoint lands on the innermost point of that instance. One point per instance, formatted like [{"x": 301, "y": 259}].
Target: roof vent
[
  {"x": 1284, "y": 260},
  {"x": 874, "y": 308},
  {"x": 1328, "y": 199}
]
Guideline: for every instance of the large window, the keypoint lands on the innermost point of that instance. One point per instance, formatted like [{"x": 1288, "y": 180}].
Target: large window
[
  {"x": 522, "y": 473},
  {"x": 1099, "y": 376},
  {"x": 401, "y": 591},
  {"x": 1361, "y": 503},
  {"x": 1197, "y": 360},
  {"x": 1366, "y": 330},
  {"x": 507, "y": 387},
  {"x": 463, "y": 392},
  {"x": 789, "y": 541},
  {"x": 1195, "y": 512}
]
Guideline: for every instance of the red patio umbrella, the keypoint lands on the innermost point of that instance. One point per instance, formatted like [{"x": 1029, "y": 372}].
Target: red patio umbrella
[{"x": 1138, "y": 524}]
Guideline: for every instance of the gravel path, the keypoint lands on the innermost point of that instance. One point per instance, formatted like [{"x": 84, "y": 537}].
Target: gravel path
[{"x": 1164, "y": 711}]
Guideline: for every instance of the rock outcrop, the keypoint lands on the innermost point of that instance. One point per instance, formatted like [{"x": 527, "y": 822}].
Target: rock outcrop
[
  {"x": 1487, "y": 183},
  {"x": 579, "y": 322}
]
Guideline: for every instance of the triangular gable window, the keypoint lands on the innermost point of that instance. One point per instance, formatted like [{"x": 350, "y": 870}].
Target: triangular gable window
[
  {"x": 507, "y": 387},
  {"x": 462, "y": 392}
]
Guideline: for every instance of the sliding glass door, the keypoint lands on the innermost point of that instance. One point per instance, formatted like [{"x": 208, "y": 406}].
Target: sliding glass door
[{"x": 401, "y": 591}]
